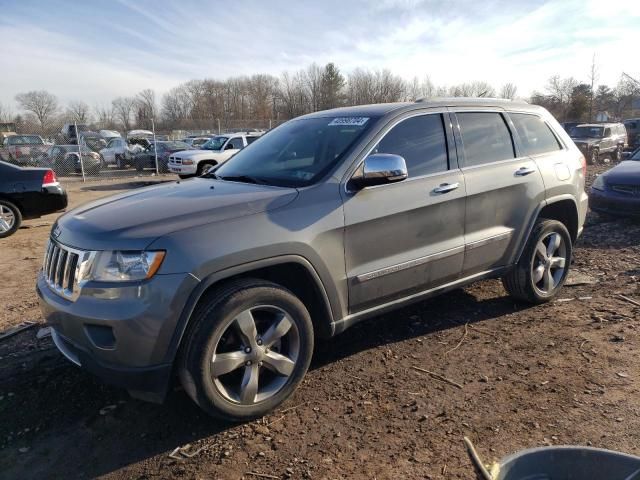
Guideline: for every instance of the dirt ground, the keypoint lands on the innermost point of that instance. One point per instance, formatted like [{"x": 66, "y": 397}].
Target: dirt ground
[{"x": 563, "y": 373}]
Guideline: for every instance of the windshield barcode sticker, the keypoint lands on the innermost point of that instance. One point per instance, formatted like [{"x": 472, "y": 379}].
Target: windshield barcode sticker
[{"x": 349, "y": 121}]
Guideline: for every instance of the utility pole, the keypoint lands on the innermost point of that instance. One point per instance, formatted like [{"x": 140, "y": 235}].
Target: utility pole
[{"x": 594, "y": 78}]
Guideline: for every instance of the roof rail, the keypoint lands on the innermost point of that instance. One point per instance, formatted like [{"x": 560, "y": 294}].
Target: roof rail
[{"x": 468, "y": 100}]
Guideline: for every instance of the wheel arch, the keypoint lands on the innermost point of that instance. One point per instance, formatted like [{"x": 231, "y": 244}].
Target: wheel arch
[
  {"x": 563, "y": 209},
  {"x": 293, "y": 272}
]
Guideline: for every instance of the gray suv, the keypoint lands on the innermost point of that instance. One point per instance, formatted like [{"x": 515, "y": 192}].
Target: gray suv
[
  {"x": 224, "y": 281},
  {"x": 596, "y": 139}
]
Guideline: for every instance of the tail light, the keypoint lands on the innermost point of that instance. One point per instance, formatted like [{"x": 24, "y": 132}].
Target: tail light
[
  {"x": 584, "y": 166},
  {"x": 49, "y": 179}
]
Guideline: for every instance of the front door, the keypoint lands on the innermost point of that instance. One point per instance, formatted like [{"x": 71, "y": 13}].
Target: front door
[
  {"x": 406, "y": 237},
  {"x": 503, "y": 189}
]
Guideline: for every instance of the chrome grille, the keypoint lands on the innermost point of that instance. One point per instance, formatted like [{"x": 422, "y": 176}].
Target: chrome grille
[{"x": 60, "y": 269}]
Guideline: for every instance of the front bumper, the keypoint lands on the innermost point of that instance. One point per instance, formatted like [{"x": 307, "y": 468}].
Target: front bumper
[
  {"x": 613, "y": 203},
  {"x": 182, "y": 169},
  {"x": 123, "y": 334}
]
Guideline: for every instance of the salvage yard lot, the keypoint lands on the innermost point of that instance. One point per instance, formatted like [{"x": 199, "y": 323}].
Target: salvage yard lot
[{"x": 561, "y": 373}]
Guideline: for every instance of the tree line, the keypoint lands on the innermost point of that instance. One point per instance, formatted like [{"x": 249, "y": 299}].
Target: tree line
[{"x": 259, "y": 99}]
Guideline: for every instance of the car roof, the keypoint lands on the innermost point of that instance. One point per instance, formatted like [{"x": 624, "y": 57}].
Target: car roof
[{"x": 381, "y": 109}]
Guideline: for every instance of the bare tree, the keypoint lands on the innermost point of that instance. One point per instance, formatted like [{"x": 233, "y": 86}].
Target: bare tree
[
  {"x": 122, "y": 110},
  {"x": 104, "y": 116},
  {"x": 41, "y": 103},
  {"x": 78, "y": 111},
  {"x": 508, "y": 91},
  {"x": 312, "y": 77},
  {"x": 292, "y": 94},
  {"x": 472, "y": 89},
  {"x": 593, "y": 78},
  {"x": 145, "y": 107},
  {"x": 6, "y": 115},
  {"x": 559, "y": 92}
]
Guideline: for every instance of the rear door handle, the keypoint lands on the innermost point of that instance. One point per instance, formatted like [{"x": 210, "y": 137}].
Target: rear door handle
[
  {"x": 524, "y": 171},
  {"x": 446, "y": 187}
]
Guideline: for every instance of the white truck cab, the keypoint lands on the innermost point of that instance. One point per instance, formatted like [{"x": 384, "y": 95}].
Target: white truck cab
[{"x": 217, "y": 150}]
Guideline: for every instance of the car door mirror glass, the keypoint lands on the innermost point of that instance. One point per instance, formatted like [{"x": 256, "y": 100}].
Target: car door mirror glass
[{"x": 380, "y": 169}]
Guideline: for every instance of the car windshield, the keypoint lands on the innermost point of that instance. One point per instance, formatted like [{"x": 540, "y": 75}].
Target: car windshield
[
  {"x": 587, "y": 132},
  {"x": 26, "y": 140},
  {"x": 297, "y": 153},
  {"x": 215, "y": 143}
]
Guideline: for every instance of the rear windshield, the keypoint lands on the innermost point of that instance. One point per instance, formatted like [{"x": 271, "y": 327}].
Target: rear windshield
[{"x": 299, "y": 152}]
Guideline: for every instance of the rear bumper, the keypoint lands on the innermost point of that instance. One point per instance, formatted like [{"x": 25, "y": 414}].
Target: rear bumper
[{"x": 612, "y": 203}]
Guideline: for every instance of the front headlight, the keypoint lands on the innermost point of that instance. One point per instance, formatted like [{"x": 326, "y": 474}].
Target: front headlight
[
  {"x": 124, "y": 266},
  {"x": 598, "y": 183}
]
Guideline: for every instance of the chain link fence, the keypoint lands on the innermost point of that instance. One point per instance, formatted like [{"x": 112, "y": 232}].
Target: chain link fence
[{"x": 80, "y": 152}]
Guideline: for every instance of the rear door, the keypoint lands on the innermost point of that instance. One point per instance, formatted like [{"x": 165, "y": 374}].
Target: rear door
[
  {"x": 503, "y": 189},
  {"x": 406, "y": 237}
]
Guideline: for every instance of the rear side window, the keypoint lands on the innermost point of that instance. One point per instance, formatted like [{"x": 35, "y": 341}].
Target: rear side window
[
  {"x": 250, "y": 140},
  {"x": 420, "y": 141},
  {"x": 535, "y": 135},
  {"x": 485, "y": 138}
]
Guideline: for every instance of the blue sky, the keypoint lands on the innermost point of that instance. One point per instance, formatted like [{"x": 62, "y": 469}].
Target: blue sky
[{"x": 96, "y": 50}]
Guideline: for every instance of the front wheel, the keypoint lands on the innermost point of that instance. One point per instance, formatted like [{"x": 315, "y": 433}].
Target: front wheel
[
  {"x": 617, "y": 154},
  {"x": 248, "y": 348},
  {"x": 594, "y": 157},
  {"x": 544, "y": 264}
]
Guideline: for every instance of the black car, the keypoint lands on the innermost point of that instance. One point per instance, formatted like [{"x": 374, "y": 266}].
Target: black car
[
  {"x": 617, "y": 191},
  {"x": 147, "y": 158},
  {"x": 27, "y": 193}
]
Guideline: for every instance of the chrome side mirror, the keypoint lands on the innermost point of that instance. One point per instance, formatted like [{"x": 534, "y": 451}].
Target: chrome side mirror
[{"x": 380, "y": 169}]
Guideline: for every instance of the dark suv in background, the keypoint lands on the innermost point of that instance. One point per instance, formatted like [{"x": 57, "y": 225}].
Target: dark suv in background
[
  {"x": 597, "y": 139},
  {"x": 335, "y": 217}
]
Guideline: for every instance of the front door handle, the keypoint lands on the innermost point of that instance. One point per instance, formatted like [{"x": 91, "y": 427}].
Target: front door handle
[
  {"x": 446, "y": 187},
  {"x": 524, "y": 171}
]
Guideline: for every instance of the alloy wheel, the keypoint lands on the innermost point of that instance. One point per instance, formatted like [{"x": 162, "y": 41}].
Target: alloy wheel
[
  {"x": 7, "y": 219},
  {"x": 255, "y": 355},
  {"x": 549, "y": 263}
]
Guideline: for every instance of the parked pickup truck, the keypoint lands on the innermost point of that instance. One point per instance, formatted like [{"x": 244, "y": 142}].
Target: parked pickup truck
[
  {"x": 24, "y": 150},
  {"x": 217, "y": 150}
]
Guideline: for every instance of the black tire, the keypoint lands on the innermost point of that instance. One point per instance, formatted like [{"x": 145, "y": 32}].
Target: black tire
[
  {"x": 594, "y": 157},
  {"x": 519, "y": 281},
  {"x": 120, "y": 162},
  {"x": 17, "y": 218},
  {"x": 212, "y": 325},
  {"x": 202, "y": 166}
]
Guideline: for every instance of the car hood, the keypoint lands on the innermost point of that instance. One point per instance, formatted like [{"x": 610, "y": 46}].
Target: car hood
[
  {"x": 132, "y": 220},
  {"x": 625, "y": 173},
  {"x": 195, "y": 154}
]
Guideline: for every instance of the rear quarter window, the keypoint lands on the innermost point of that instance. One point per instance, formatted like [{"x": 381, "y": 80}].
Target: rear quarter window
[{"x": 536, "y": 137}]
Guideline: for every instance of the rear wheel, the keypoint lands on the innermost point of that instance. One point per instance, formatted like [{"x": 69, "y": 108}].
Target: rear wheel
[
  {"x": 248, "y": 348},
  {"x": 10, "y": 218},
  {"x": 543, "y": 265}
]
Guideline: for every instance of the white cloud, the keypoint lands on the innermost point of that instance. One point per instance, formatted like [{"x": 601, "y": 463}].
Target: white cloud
[{"x": 138, "y": 45}]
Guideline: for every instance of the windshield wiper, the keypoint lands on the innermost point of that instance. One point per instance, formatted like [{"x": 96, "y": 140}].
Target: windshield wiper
[{"x": 243, "y": 178}]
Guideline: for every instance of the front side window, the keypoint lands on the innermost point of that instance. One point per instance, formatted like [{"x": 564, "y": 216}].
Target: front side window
[
  {"x": 607, "y": 132},
  {"x": 485, "y": 138},
  {"x": 420, "y": 141},
  {"x": 297, "y": 153},
  {"x": 535, "y": 135}
]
